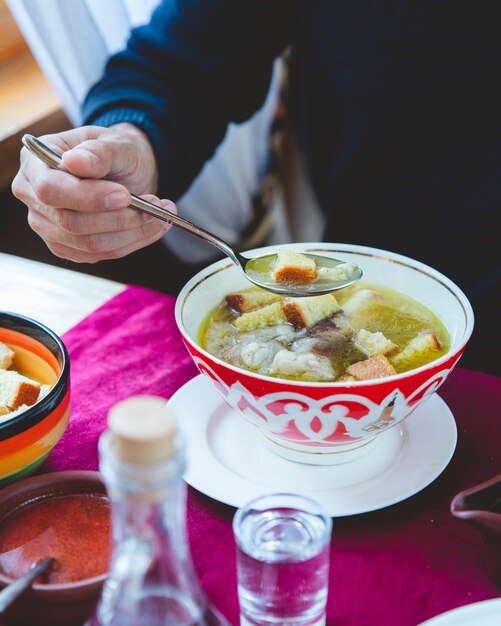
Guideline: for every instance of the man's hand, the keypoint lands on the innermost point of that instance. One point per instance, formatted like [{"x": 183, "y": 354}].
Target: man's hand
[{"x": 81, "y": 217}]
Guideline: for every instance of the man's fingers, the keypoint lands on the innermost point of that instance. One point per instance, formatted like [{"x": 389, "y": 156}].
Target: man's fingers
[
  {"x": 126, "y": 230},
  {"x": 60, "y": 190},
  {"x": 96, "y": 161},
  {"x": 97, "y": 243},
  {"x": 83, "y": 256},
  {"x": 88, "y": 152},
  {"x": 82, "y": 209},
  {"x": 78, "y": 223}
]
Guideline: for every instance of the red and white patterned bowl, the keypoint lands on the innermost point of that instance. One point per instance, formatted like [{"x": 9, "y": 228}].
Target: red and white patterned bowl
[{"x": 328, "y": 422}]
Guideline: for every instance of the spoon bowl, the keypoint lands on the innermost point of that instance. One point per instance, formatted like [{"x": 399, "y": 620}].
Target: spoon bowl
[{"x": 257, "y": 270}]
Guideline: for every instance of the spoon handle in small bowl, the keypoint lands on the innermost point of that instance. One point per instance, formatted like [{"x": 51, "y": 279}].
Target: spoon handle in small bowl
[{"x": 9, "y": 594}]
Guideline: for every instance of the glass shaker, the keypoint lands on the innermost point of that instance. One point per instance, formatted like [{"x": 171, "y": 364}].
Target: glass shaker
[{"x": 152, "y": 581}]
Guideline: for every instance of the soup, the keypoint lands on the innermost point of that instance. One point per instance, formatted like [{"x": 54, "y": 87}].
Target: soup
[
  {"x": 364, "y": 331},
  {"x": 74, "y": 529}
]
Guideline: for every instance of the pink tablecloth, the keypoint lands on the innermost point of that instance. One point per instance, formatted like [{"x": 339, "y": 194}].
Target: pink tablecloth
[{"x": 394, "y": 567}]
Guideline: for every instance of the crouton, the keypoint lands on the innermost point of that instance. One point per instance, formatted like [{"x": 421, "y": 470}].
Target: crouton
[
  {"x": 268, "y": 315},
  {"x": 346, "y": 378},
  {"x": 338, "y": 273},
  {"x": 248, "y": 300},
  {"x": 360, "y": 300},
  {"x": 6, "y": 356},
  {"x": 292, "y": 267},
  {"x": 419, "y": 350},
  {"x": 16, "y": 390},
  {"x": 375, "y": 367},
  {"x": 373, "y": 343},
  {"x": 305, "y": 312},
  {"x": 4, "y": 410}
]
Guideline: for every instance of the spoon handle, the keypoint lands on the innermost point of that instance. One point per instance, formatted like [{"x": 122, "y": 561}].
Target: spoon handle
[
  {"x": 53, "y": 159},
  {"x": 167, "y": 216},
  {"x": 10, "y": 593}
]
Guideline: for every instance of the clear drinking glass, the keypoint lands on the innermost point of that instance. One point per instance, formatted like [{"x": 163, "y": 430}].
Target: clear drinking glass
[{"x": 283, "y": 545}]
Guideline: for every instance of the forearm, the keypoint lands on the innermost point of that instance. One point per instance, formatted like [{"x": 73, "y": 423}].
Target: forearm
[{"x": 185, "y": 76}]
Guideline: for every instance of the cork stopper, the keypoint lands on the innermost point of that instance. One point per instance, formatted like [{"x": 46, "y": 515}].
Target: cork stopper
[{"x": 143, "y": 430}]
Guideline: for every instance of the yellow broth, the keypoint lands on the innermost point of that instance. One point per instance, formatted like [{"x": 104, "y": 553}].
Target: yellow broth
[{"x": 397, "y": 316}]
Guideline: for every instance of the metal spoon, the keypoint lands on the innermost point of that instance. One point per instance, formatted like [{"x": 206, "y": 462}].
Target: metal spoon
[
  {"x": 9, "y": 594},
  {"x": 257, "y": 269}
]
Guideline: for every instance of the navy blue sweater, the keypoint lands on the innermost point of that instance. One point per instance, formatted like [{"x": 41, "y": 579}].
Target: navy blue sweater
[{"x": 397, "y": 104}]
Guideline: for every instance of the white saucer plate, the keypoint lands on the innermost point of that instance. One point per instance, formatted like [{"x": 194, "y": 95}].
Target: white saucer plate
[
  {"x": 227, "y": 458},
  {"x": 484, "y": 613}
]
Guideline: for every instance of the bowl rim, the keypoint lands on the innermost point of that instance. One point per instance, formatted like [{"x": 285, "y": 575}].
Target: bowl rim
[
  {"x": 39, "y": 411},
  {"x": 55, "y": 478},
  {"x": 332, "y": 247}
]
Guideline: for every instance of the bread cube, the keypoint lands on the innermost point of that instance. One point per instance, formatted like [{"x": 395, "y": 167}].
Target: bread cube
[
  {"x": 375, "y": 367},
  {"x": 373, "y": 343},
  {"x": 268, "y": 315},
  {"x": 16, "y": 390},
  {"x": 249, "y": 300},
  {"x": 292, "y": 267},
  {"x": 346, "y": 378},
  {"x": 421, "y": 348},
  {"x": 305, "y": 312},
  {"x": 6, "y": 356}
]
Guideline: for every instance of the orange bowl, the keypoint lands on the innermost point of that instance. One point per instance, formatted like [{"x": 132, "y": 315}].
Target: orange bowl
[{"x": 27, "y": 438}]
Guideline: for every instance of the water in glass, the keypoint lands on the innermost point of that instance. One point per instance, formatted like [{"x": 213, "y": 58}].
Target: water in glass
[{"x": 282, "y": 563}]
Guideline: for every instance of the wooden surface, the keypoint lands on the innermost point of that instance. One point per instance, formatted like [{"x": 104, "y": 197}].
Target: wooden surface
[
  {"x": 11, "y": 145},
  {"x": 25, "y": 97},
  {"x": 12, "y": 42},
  {"x": 57, "y": 297},
  {"x": 27, "y": 101}
]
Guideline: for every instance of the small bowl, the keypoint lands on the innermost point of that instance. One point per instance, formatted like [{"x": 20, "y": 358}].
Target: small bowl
[
  {"x": 328, "y": 422},
  {"x": 27, "y": 438},
  {"x": 68, "y": 604}
]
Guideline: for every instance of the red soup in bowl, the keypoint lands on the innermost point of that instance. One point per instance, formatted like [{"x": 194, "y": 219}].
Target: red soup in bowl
[
  {"x": 46, "y": 527},
  {"x": 64, "y": 515}
]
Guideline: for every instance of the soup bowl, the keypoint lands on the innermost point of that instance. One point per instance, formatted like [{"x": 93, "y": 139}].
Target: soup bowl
[
  {"x": 62, "y": 604},
  {"x": 328, "y": 422},
  {"x": 27, "y": 438}
]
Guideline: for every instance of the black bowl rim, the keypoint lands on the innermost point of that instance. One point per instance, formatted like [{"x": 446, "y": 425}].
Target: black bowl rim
[{"x": 32, "y": 416}]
